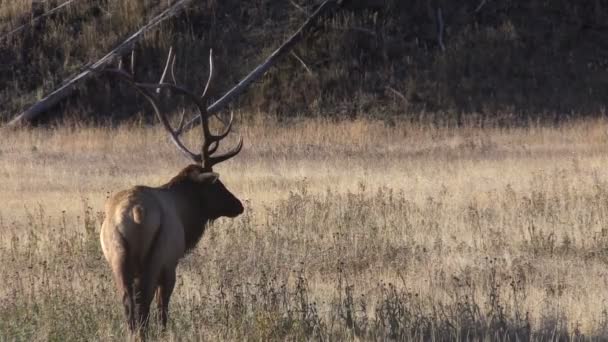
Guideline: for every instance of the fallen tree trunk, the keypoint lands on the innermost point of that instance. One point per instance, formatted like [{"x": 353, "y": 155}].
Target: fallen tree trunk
[
  {"x": 326, "y": 8},
  {"x": 37, "y": 19},
  {"x": 68, "y": 88}
]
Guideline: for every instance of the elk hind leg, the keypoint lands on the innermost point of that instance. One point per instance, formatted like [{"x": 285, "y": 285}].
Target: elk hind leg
[
  {"x": 146, "y": 287},
  {"x": 124, "y": 282},
  {"x": 163, "y": 294}
]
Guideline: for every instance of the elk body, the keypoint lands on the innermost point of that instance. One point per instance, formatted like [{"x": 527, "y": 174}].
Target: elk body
[{"x": 147, "y": 230}]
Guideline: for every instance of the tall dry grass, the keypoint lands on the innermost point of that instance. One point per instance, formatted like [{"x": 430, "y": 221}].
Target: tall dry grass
[{"x": 353, "y": 230}]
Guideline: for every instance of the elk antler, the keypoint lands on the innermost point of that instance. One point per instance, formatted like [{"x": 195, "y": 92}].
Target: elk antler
[{"x": 210, "y": 142}]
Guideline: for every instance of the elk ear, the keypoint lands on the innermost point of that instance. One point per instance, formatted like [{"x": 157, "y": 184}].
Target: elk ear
[{"x": 207, "y": 177}]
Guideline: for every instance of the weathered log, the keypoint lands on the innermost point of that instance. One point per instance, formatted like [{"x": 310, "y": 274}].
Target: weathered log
[
  {"x": 326, "y": 8},
  {"x": 68, "y": 88}
]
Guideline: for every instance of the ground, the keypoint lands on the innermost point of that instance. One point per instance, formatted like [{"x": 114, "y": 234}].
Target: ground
[{"x": 353, "y": 230}]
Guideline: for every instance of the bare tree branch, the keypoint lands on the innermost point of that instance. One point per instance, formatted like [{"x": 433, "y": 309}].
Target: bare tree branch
[
  {"x": 327, "y": 7},
  {"x": 440, "y": 29},
  {"x": 298, "y": 7},
  {"x": 481, "y": 4},
  {"x": 397, "y": 93},
  {"x": 302, "y": 62},
  {"x": 68, "y": 88}
]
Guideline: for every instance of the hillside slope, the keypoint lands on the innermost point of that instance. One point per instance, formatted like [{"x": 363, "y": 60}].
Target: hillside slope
[{"x": 502, "y": 62}]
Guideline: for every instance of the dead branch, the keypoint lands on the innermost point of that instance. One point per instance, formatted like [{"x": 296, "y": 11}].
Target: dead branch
[
  {"x": 440, "y": 29},
  {"x": 479, "y": 7},
  {"x": 397, "y": 93},
  {"x": 302, "y": 62},
  {"x": 327, "y": 7},
  {"x": 68, "y": 87},
  {"x": 37, "y": 19},
  {"x": 298, "y": 7}
]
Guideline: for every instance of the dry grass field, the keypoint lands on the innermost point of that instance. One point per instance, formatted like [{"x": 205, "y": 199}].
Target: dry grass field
[{"x": 353, "y": 230}]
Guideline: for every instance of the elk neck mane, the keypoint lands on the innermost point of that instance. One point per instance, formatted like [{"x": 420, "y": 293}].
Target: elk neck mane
[{"x": 189, "y": 203}]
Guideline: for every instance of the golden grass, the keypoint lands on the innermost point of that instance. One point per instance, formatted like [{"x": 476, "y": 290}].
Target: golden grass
[
  {"x": 10, "y": 11},
  {"x": 352, "y": 229}
]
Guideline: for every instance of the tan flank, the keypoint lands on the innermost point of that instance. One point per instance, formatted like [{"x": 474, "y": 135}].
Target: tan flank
[{"x": 147, "y": 230}]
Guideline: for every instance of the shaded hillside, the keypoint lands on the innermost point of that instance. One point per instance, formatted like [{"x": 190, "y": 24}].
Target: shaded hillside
[{"x": 504, "y": 61}]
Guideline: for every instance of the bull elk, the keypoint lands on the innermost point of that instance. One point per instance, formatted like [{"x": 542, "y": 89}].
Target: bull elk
[{"x": 147, "y": 230}]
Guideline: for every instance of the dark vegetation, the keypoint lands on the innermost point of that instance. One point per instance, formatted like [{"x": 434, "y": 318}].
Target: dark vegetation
[{"x": 504, "y": 62}]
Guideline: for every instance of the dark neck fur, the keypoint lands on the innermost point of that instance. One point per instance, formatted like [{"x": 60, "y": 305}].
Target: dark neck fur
[{"x": 190, "y": 204}]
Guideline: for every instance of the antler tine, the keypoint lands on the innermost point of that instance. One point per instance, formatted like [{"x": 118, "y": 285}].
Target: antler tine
[
  {"x": 204, "y": 96},
  {"x": 142, "y": 88},
  {"x": 215, "y": 139},
  {"x": 212, "y": 138},
  {"x": 173, "y": 71},
  {"x": 170, "y": 61},
  {"x": 226, "y": 130},
  {"x": 214, "y": 146},
  {"x": 225, "y": 156},
  {"x": 182, "y": 120},
  {"x": 133, "y": 62},
  {"x": 210, "y": 142},
  {"x": 207, "y": 136},
  {"x": 174, "y": 136},
  {"x": 207, "y": 86}
]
